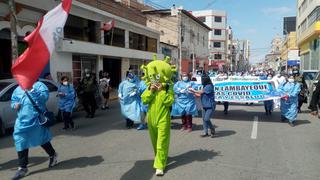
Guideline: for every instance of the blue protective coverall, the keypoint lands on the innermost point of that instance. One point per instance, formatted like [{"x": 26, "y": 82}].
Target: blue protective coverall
[
  {"x": 289, "y": 108},
  {"x": 67, "y": 102},
  {"x": 28, "y": 132},
  {"x": 130, "y": 100},
  {"x": 185, "y": 101}
]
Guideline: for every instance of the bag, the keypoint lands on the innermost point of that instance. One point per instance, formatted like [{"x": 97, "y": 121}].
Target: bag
[{"x": 46, "y": 118}]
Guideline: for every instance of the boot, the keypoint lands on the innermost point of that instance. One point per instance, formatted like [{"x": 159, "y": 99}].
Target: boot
[
  {"x": 184, "y": 123},
  {"x": 189, "y": 123}
]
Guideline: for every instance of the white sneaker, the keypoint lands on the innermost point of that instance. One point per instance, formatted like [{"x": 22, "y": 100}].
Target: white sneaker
[{"x": 159, "y": 172}]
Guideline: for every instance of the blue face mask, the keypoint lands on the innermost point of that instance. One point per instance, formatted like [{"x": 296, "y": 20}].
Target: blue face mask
[{"x": 185, "y": 79}]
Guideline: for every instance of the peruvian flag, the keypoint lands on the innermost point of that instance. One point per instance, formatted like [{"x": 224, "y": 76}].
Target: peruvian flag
[
  {"x": 41, "y": 43},
  {"x": 109, "y": 25}
]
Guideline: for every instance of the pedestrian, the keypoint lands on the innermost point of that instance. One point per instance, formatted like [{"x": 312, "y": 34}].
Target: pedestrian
[
  {"x": 208, "y": 105},
  {"x": 268, "y": 105},
  {"x": 144, "y": 108},
  {"x": 289, "y": 91},
  {"x": 226, "y": 107},
  {"x": 302, "y": 96},
  {"x": 184, "y": 105},
  {"x": 89, "y": 86},
  {"x": 67, "y": 97},
  {"x": 315, "y": 101},
  {"x": 104, "y": 85},
  {"x": 28, "y": 132},
  {"x": 129, "y": 96}
]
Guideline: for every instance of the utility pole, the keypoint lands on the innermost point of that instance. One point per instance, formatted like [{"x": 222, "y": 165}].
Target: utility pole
[{"x": 13, "y": 27}]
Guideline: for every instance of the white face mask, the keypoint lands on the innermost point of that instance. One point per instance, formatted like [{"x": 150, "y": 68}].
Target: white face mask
[
  {"x": 185, "y": 78},
  {"x": 87, "y": 75},
  {"x": 65, "y": 83},
  {"x": 291, "y": 80},
  {"x": 269, "y": 78}
]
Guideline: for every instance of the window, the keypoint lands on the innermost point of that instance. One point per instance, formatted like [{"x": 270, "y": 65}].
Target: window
[
  {"x": 137, "y": 41},
  {"x": 115, "y": 37},
  {"x": 314, "y": 16},
  {"x": 218, "y": 56},
  {"x": 151, "y": 45},
  {"x": 7, "y": 96},
  {"x": 217, "y": 19},
  {"x": 217, "y": 32},
  {"x": 50, "y": 86},
  {"x": 202, "y": 19},
  {"x": 217, "y": 44},
  {"x": 80, "y": 29}
]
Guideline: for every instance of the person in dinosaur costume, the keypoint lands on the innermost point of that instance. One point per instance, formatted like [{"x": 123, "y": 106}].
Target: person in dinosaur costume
[{"x": 159, "y": 96}]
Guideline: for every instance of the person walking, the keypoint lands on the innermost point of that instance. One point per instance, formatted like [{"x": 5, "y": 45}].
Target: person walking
[
  {"x": 184, "y": 105},
  {"x": 89, "y": 86},
  {"x": 289, "y": 91},
  {"x": 129, "y": 96},
  {"x": 28, "y": 132},
  {"x": 208, "y": 105},
  {"x": 104, "y": 85},
  {"x": 268, "y": 105},
  {"x": 67, "y": 97}
]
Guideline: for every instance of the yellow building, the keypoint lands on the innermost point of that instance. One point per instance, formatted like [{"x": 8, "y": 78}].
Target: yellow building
[
  {"x": 288, "y": 48},
  {"x": 308, "y": 33}
]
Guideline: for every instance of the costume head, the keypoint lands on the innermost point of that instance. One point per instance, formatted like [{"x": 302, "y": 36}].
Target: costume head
[{"x": 158, "y": 71}]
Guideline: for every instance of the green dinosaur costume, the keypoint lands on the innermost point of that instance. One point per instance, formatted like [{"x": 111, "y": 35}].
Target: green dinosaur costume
[{"x": 159, "y": 102}]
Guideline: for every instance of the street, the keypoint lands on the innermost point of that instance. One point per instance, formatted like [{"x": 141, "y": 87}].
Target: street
[{"x": 248, "y": 145}]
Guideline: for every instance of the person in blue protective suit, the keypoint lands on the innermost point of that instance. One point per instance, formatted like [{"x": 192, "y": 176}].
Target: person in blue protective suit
[
  {"x": 66, "y": 103},
  {"x": 129, "y": 96},
  {"x": 28, "y": 133},
  {"x": 289, "y": 91},
  {"x": 144, "y": 108},
  {"x": 184, "y": 104}
]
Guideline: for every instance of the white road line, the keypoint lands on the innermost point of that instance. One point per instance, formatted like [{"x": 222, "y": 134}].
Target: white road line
[{"x": 254, "y": 132}]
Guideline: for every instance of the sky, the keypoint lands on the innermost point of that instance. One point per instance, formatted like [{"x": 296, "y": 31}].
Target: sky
[{"x": 256, "y": 20}]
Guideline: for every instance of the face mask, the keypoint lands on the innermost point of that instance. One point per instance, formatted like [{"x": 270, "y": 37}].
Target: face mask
[
  {"x": 87, "y": 75},
  {"x": 130, "y": 80},
  {"x": 65, "y": 83},
  {"x": 185, "y": 78},
  {"x": 269, "y": 78},
  {"x": 291, "y": 80}
]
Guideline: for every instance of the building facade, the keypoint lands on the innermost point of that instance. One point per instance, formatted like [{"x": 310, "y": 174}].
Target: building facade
[
  {"x": 273, "y": 58},
  {"x": 289, "y": 52},
  {"x": 218, "y": 36},
  {"x": 179, "y": 28},
  {"x": 84, "y": 43},
  {"x": 308, "y": 32},
  {"x": 241, "y": 55}
]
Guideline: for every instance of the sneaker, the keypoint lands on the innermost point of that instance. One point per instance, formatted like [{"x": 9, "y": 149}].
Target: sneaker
[
  {"x": 141, "y": 127},
  {"x": 292, "y": 124},
  {"x": 159, "y": 172},
  {"x": 189, "y": 130},
  {"x": 213, "y": 132},
  {"x": 22, "y": 172},
  {"x": 204, "y": 135},
  {"x": 53, "y": 160}
]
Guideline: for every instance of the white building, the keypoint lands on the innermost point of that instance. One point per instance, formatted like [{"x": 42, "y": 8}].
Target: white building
[
  {"x": 218, "y": 36},
  {"x": 241, "y": 54},
  {"x": 85, "y": 45},
  {"x": 179, "y": 28}
]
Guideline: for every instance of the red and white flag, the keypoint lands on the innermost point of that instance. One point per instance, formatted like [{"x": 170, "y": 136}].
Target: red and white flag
[
  {"x": 108, "y": 26},
  {"x": 41, "y": 43}
]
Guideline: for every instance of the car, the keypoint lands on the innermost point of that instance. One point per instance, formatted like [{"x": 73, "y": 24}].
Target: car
[
  {"x": 7, "y": 115},
  {"x": 309, "y": 76}
]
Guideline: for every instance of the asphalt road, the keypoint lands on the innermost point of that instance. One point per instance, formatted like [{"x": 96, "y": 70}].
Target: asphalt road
[{"x": 248, "y": 146}]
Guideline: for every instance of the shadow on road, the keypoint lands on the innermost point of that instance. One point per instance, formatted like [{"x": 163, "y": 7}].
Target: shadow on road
[
  {"x": 143, "y": 170},
  {"x": 81, "y": 162},
  {"x": 224, "y": 133},
  {"x": 13, "y": 164}
]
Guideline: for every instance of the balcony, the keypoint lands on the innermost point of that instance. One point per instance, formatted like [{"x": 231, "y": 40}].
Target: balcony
[{"x": 75, "y": 46}]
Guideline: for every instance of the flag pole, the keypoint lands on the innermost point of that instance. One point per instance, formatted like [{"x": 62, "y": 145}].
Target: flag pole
[
  {"x": 13, "y": 26},
  {"x": 111, "y": 36}
]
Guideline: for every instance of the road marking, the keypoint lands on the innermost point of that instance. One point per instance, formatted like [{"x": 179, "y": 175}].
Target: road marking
[{"x": 254, "y": 132}]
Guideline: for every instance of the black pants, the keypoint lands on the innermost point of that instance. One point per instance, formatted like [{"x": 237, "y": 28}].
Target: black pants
[
  {"x": 89, "y": 103},
  {"x": 226, "y": 106},
  {"x": 23, "y": 155},
  {"x": 300, "y": 104},
  {"x": 67, "y": 120},
  {"x": 129, "y": 123}
]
